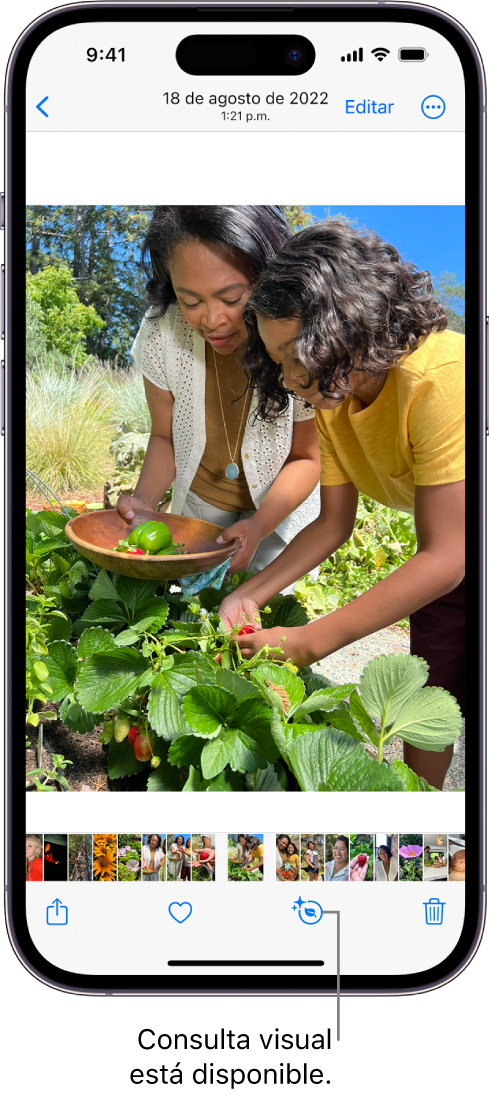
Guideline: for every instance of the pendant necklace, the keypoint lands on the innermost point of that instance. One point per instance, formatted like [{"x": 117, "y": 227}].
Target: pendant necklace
[{"x": 231, "y": 470}]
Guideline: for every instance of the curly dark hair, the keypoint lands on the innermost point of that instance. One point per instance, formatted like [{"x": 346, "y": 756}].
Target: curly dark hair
[
  {"x": 357, "y": 300},
  {"x": 255, "y": 233},
  {"x": 387, "y": 850},
  {"x": 150, "y": 835}
]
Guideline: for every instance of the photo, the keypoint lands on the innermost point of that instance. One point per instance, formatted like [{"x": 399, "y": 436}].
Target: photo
[
  {"x": 386, "y": 857},
  {"x": 55, "y": 857},
  {"x": 203, "y": 857},
  {"x": 129, "y": 857},
  {"x": 245, "y": 857},
  {"x": 153, "y": 857},
  {"x": 176, "y": 461},
  {"x": 336, "y": 858},
  {"x": 105, "y": 857},
  {"x": 179, "y": 858},
  {"x": 80, "y": 858},
  {"x": 361, "y": 857},
  {"x": 411, "y": 857},
  {"x": 456, "y": 853},
  {"x": 33, "y": 857},
  {"x": 287, "y": 857},
  {"x": 435, "y": 857},
  {"x": 312, "y": 857}
]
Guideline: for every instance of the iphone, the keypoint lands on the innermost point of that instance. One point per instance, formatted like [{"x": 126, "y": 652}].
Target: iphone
[{"x": 235, "y": 317}]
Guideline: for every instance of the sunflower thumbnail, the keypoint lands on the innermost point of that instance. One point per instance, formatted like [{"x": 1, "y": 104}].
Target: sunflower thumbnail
[{"x": 104, "y": 857}]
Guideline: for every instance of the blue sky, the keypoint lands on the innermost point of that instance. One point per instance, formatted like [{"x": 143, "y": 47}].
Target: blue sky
[{"x": 430, "y": 236}]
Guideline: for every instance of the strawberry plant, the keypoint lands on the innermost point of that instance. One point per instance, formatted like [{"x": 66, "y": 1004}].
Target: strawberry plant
[{"x": 176, "y": 698}]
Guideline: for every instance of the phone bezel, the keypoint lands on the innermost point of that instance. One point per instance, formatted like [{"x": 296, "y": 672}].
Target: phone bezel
[{"x": 15, "y": 398}]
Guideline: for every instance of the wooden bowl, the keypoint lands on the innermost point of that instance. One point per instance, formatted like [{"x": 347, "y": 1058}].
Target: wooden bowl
[{"x": 95, "y": 534}]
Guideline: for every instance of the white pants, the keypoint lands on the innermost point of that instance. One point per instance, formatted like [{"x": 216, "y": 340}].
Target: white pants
[{"x": 268, "y": 549}]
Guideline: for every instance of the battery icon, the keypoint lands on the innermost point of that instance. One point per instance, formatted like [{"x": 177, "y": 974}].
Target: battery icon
[{"x": 412, "y": 54}]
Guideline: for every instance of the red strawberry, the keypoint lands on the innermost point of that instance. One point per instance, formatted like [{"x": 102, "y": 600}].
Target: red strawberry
[
  {"x": 142, "y": 748},
  {"x": 247, "y": 630},
  {"x": 136, "y": 552},
  {"x": 133, "y": 734},
  {"x": 362, "y": 860},
  {"x": 218, "y": 659},
  {"x": 204, "y": 855}
]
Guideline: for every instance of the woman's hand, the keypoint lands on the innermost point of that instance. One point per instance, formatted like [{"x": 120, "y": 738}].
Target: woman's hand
[
  {"x": 128, "y": 504},
  {"x": 357, "y": 873},
  {"x": 250, "y": 537},
  {"x": 290, "y": 640},
  {"x": 238, "y": 609}
]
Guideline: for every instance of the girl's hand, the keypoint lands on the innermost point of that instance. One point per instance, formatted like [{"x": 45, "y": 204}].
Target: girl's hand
[
  {"x": 238, "y": 608},
  {"x": 290, "y": 640},
  {"x": 357, "y": 873},
  {"x": 128, "y": 504},
  {"x": 250, "y": 538}
]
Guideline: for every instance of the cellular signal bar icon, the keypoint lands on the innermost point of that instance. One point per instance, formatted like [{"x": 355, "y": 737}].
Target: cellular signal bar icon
[
  {"x": 380, "y": 52},
  {"x": 355, "y": 56}
]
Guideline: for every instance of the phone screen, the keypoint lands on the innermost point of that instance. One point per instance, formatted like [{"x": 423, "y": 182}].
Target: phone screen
[{"x": 245, "y": 311}]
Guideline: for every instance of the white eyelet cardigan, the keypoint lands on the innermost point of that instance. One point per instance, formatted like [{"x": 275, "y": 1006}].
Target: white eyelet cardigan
[{"x": 172, "y": 356}]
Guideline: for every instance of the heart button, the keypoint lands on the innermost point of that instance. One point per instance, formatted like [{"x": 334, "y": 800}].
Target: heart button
[{"x": 180, "y": 911}]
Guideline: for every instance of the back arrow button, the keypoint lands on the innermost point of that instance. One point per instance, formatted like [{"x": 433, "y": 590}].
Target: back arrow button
[{"x": 39, "y": 106}]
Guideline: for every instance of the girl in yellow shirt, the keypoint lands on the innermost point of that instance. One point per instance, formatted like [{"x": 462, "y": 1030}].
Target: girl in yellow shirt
[{"x": 340, "y": 319}]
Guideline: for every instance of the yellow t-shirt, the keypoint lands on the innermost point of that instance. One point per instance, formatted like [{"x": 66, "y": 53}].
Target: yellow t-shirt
[
  {"x": 257, "y": 854},
  {"x": 411, "y": 435}
]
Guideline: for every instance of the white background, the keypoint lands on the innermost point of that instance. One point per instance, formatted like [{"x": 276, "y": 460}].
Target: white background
[{"x": 433, "y": 1043}]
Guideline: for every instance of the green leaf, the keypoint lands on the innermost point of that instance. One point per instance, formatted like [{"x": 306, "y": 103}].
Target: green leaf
[
  {"x": 127, "y": 638},
  {"x": 344, "y": 721},
  {"x": 122, "y": 761},
  {"x": 313, "y": 681},
  {"x": 279, "y": 733},
  {"x": 359, "y": 712},
  {"x": 183, "y": 674},
  {"x": 244, "y": 757},
  {"x": 412, "y": 782},
  {"x": 284, "y": 678},
  {"x": 57, "y": 627},
  {"x": 108, "y": 677},
  {"x": 254, "y": 718},
  {"x": 290, "y": 614},
  {"x": 76, "y": 718},
  {"x": 185, "y": 751},
  {"x": 164, "y": 712},
  {"x": 135, "y": 591},
  {"x": 207, "y": 708},
  {"x": 94, "y": 639},
  {"x": 216, "y": 754},
  {"x": 151, "y": 615},
  {"x": 195, "y": 782},
  {"x": 324, "y": 700},
  {"x": 62, "y": 664},
  {"x": 226, "y": 782},
  {"x": 239, "y": 686},
  {"x": 104, "y": 612},
  {"x": 429, "y": 720},
  {"x": 41, "y": 671},
  {"x": 267, "y": 780},
  {"x": 165, "y": 778},
  {"x": 329, "y": 760},
  {"x": 103, "y": 588},
  {"x": 388, "y": 681}
]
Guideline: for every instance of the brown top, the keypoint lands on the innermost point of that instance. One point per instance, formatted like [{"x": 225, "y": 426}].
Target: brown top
[{"x": 210, "y": 482}]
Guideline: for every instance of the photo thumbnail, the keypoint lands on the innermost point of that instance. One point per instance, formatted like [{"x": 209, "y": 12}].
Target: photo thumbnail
[
  {"x": 179, "y": 858},
  {"x": 435, "y": 857},
  {"x": 129, "y": 857},
  {"x": 386, "y": 857},
  {"x": 456, "y": 849},
  {"x": 198, "y": 379},
  {"x": 80, "y": 858},
  {"x": 33, "y": 858},
  {"x": 105, "y": 857},
  {"x": 312, "y": 857},
  {"x": 288, "y": 857},
  {"x": 411, "y": 857},
  {"x": 245, "y": 857},
  {"x": 55, "y": 857},
  {"x": 336, "y": 858},
  {"x": 153, "y": 856},
  {"x": 361, "y": 857},
  {"x": 203, "y": 857}
]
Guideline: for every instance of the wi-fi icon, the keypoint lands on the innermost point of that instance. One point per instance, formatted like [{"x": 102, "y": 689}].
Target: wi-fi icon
[{"x": 380, "y": 52}]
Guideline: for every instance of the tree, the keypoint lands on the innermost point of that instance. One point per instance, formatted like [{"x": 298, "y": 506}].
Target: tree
[
  {"x": 451, "y": 295},
  {"x": 101, "y": 246},
  {"x": 57, "y": 314}
]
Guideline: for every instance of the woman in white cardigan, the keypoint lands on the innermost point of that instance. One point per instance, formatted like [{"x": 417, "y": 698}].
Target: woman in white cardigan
[{"x": 258, "y": 480}]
